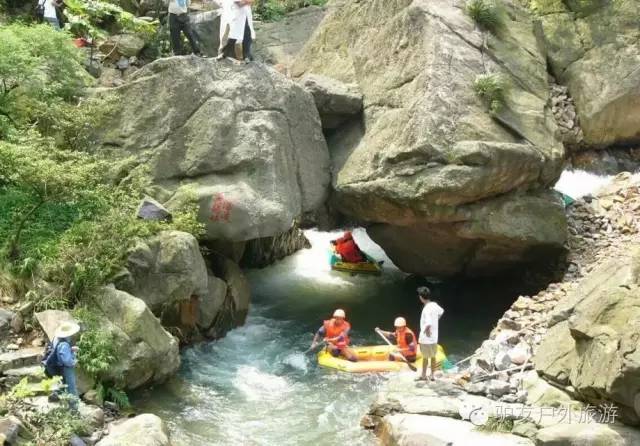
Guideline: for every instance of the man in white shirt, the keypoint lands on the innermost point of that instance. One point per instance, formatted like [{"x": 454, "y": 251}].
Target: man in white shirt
[
  {"x": 236, "y": 30},
  {"x": 49, "y": 12},
  {"x": 428, "y": 339}
]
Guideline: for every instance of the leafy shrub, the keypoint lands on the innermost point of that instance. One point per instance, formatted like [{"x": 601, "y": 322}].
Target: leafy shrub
[
  {"x": 486, "y": 14},
  {"x": 495, "y": 424},
  {"x": 272, "y": 10},
  {"x": 96, "y": 353},
  {"x": 99, "y": 18},
  {"x": 39, "y": 66},
  {"x": 491, "y": 89}
]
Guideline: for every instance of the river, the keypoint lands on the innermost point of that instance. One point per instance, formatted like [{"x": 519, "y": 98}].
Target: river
[{"x": 257, "y": 387}]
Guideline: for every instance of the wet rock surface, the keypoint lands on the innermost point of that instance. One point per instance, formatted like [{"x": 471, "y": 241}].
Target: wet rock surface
[{"x": 566, "y": 354}]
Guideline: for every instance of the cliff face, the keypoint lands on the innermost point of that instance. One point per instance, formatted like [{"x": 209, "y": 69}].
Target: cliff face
[
  {"x": 594, "y": 49},
  {"x": 429, "y": 168},
  {"x": 245, "y": 140}
]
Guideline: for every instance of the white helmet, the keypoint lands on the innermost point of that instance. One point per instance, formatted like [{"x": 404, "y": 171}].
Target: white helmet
[
  {"x": 399, "y": 322},
  {"x": 339, "y": 313}
]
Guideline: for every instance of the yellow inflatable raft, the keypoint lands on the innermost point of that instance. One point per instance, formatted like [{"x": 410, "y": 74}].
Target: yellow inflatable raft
[
  {"x": 373, "y": 359},
  {"x": 369, "y": 267}
]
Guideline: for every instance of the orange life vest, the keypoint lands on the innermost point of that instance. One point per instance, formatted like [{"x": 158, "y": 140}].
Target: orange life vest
[
  {"x": 333, "y": 331},
  {"x": 407, "y": 349}
]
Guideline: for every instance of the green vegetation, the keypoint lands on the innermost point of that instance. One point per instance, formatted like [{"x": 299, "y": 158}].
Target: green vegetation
[
  {"x": 491, "y": 88},
  {"x": 486, "y": 14},
  {"x": 97, "y": 354},
  {"x": 495, "y": 424},
  {"x": 67, "y": 216},
  {"x": 272, "y": 10},
  {"x": 99, "y": 18},
  {"x": 40, "y": 73}
]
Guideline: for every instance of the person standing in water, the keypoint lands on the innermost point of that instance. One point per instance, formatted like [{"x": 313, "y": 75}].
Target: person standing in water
[
  {"x": 428, "y": 339},
  {"x": 335, "y": 333},
  {"x": 405, "y": 340}
]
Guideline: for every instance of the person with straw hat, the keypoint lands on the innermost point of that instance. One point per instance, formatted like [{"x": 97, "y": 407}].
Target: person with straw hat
[{"x": 62, "y": 358}]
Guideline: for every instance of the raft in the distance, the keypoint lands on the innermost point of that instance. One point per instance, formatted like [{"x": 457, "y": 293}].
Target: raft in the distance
[
  {"x": 368, "y": 267},
  {"x": 375, "y": 359}
]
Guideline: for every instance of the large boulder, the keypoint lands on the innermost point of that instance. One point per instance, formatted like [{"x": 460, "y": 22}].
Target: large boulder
[
  {"x": 597, "y": 329},
  {"x": 587, "y": 435},
  {"x": 594, "y": 50},
  {"x": 336, "y": 102},
  {"x": 429, "y": 158},
  {"x": 145, "y": 429},
  {"x": 206, "y": 25},
  {"x": 166, "y": 270},
  {"x": 424, "y": 430},
  {"x": 279, "y": 42},
  {"x": 146, "y": 353},
  {"x": 244, "y": 140}
]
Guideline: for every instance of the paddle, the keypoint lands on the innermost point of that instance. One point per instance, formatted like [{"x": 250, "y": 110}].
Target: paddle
[
  {"x": 411, "y": 366},
  {"x": 314, "y": 347}
]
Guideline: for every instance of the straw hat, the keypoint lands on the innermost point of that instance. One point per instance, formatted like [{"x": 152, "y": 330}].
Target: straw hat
[{"x": 66, "y": 330}]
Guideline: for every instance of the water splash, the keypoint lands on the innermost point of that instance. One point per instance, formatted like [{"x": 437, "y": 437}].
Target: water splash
[{"x": 579, "y": 183}]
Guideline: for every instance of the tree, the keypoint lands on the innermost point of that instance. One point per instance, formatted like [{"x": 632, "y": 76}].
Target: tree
[
  {"x": 46, "y": 175},
  {"x": 39, "y": 66}
]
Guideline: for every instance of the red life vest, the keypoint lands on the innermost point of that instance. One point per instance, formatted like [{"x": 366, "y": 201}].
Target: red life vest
[
  {"x": 349, "y": 251},
  {"x": 333, "y": 331},
  {"x": 407, "y": 349}
]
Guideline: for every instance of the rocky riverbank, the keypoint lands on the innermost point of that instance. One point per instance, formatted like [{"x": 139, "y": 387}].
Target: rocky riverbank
[{"x": 578, "y": 334}]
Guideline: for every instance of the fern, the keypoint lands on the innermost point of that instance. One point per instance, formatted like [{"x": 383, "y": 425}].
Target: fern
[
  {"x": 486, "y": 15},
  {"x": 22, "y": 390},
  {"x": 119, "y": 397},
  {"x": 491, "y": 88}
]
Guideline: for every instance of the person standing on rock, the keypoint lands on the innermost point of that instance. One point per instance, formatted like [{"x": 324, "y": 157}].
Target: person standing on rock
[
  {"x": 428, "y": 339},
  {"x": 236, "y": 30},
  {"x": 61, "y": 360},
  {"x": 179, "y": 23}
]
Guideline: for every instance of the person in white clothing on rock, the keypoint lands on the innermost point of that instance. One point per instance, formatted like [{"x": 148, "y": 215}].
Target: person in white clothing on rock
[
  {"x": 236, "y": 30},
  {"x": 428, "y": 339}
]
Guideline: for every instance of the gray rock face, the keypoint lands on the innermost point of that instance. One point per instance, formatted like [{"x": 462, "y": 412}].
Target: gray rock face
[
  {"x": 5, "y": 320},
  {"x": 336, "y": 102},
  {"x": 206, "y": 24},
  {"x": 150, "y": 209},
  {"x": 146, "y": 352},
  {"x": 279, "y": 42},
  {"x": 265, "y": 251},
  {"x": 170, "y": 275},
  {"x": 244, "y": 140},
  {"x": 145, "y": 429},
  {"x": 587, "y": 435},
  {"x": 165, "y": 270},
  {"x": 10, "y": 429},
  {"x": 50, "y": 320},
  {"x": 446, "y": 187},
  {"x": 424, "y": 430},
  {"x": 594, "y": 51},
  {"x": 595, "y": 347}
]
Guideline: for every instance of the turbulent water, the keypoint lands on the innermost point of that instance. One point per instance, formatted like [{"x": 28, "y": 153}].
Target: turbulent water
[{"x": 257, "y": 387}]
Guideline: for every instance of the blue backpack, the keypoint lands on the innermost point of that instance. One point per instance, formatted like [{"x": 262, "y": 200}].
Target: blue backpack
[{"x": 50, "y": 361}]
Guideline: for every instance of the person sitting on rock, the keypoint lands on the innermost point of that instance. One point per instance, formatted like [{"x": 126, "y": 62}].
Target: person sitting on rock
[
  {"x": 348, "y": 249},
  {"x": 179, "y": 23},
  {"x": 236, "y": 30},
  {"x": 405, "y": 340},
  {"x": 61, "y": 359},
  {"x": 335, "y": 333}
]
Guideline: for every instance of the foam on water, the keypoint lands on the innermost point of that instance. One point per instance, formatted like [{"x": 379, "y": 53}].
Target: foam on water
[
  {"x": 579, "y": 183},
  {"x": 256, "y": 387}
]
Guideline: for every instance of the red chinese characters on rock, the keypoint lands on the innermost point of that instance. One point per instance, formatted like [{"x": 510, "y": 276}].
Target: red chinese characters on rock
[{"x": 220, "y": 208}]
